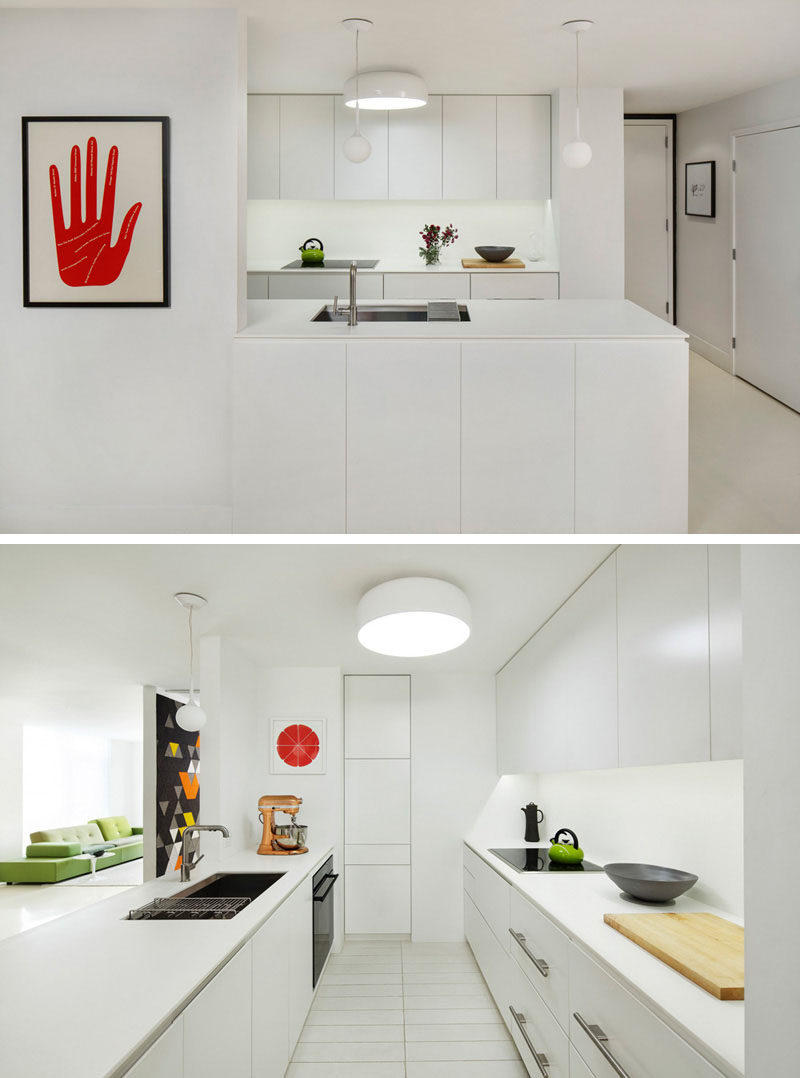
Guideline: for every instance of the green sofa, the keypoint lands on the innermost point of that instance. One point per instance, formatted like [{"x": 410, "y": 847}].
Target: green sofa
[{"x": 57, "y": 853}]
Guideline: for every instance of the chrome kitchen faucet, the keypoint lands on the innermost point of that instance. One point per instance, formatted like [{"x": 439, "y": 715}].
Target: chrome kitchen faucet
[
  {"x": 352, "y": 308},
  {"x": 190, "y": 844}
]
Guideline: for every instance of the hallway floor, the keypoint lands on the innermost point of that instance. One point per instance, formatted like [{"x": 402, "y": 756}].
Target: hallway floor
[
  {"x": 386, "y": 1009},
  {"x": 744, "y": 456}
]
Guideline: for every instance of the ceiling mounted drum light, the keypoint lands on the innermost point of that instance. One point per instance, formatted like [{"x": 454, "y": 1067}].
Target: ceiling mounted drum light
[
  {"x": 577, "y": 154},
  {"x": 413, "y": 616},
  {"x": 357, "y": 147},
  {"x": 386, "y": 90},
  {"x": 190, "y": 716}
]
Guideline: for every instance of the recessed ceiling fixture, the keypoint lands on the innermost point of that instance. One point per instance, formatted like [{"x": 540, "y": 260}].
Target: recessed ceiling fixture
[
  {"x": 413, "y": 616},
  {"x": 357, "y": 147},
  {"x": 190, "y": 716},
  {"x": 382, "y": 89},
  {"x": 577, "y": 154}
]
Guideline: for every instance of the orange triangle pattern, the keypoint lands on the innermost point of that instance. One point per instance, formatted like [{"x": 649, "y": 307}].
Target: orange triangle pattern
[{"x": 190, "y": 783}]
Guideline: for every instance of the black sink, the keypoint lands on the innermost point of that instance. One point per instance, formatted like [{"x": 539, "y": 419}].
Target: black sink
[
  {"x": 231, "y": 885},
  {"x": 220, "y": 897}
]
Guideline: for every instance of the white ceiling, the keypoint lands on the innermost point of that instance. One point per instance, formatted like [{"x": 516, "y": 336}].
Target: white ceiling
[
  {"x": 84, "y": 626},
  {"x": 669, "y": 55}
]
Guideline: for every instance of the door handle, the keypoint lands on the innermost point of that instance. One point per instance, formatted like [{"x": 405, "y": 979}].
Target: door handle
[
  {"x": 600, "y": 1041},
  {"x": 540, "y": 963},
  {"x": 539, "y": 1058},
  {"x": 333, "y": 877}
]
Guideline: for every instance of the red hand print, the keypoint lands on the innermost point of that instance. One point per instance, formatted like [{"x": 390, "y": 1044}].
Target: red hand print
[{"x": 84, "y": 250}]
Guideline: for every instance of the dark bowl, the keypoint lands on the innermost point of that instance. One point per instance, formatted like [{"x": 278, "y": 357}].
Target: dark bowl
[
  {"x": 650, "y": 883},
  {"x": 495, "y": 254}
]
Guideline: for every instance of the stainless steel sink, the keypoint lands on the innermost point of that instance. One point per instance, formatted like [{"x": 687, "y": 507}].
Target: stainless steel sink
[
  {"x": 415, "y": 312},
  {"x": 220, "y": 897}
]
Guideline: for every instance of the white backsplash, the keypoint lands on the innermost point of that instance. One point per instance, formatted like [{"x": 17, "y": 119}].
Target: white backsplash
[
  {"x": 390, "y": 230},
  {"x": 686, "y": 816}
]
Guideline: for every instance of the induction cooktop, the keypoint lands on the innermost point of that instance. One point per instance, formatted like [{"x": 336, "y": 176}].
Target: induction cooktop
[
  {"x": 536, "y": 860},
  {"x": 333, "y": 263}
]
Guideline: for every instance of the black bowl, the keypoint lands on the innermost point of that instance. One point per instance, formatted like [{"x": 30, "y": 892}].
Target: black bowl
[
  {"x": 650, "y": 883},
  {"x": 495, "y": 254}
]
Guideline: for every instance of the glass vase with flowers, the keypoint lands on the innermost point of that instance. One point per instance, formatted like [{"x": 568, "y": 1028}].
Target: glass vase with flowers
[{"x": 434, "y": 238}]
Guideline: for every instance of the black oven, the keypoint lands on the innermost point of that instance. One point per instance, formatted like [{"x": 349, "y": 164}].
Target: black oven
[{"x": 322, "y": 886}]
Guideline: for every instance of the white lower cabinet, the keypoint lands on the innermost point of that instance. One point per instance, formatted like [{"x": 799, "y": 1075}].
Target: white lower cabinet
[
  {"x": 503, "y": 284},
  {"x": 494, "y": 962},
  {"x": 539, "y": 1038},
  {"x": 490, "y": 893},
  {"x": 542, "y": 953},
  {"x": 270, "y": 1008},
  {"x": 322, "y": 284},
  {"x": 217, "y": 1024},
  {"x": 377, "y": 899},
  {"x": 300, "y": 906},
  {"x": 164, "y": 1059},
  {"x": 607, "y": 1023},
  {"x": 577, "y": 1066},
  {"x": 430, "y": 285}
]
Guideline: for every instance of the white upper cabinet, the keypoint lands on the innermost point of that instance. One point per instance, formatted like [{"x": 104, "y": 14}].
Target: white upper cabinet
[
  {"x": 523, "y": 146},
  {"x": 263, "y": 146},
  {"x": 458, "y": 146},
  {"x": 557, "y": 698},
  {"x": 370, "y": 178},
  {"x": 306, "y": 142},
  {"x": 663, "y": 654},
  {"x": 415, "y": 151},
  {"x": 377, "y": 716},
  {"x": 469, "y": 147},
  {"x": 725, "y": 643}
]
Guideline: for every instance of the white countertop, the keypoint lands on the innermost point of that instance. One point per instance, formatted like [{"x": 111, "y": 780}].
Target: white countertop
[
  {"x": 393, "y": 265},
  {"x": 568, "y": 319},
  {"x": 577, "y": 902},
  {"x": 84, "y": 994}
]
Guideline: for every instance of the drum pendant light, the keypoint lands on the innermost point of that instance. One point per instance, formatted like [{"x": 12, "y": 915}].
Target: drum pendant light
[
  {"x": 357, "y": 148},
  {"x": 190, "y": 716},
  {"x": 577, "y": 154},
  {"x": 413, "y": 617}
]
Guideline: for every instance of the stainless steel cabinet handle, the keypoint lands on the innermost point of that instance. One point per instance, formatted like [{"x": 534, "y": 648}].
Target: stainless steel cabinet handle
[
  {"x": 539, "y": 1058},
  {"x": 600, "y": 1040},
  {"x": 540, "y": 963}
]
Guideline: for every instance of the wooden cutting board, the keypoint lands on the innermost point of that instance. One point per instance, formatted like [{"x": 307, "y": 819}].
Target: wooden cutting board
[
  {"x": 480, "y": 263},
  {"x": 703, "y": 947}
]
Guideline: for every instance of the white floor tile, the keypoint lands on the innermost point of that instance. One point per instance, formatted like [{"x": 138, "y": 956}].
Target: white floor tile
[
  {"x": 348, "y": 1070},
  {"x": 355, "y": 1052},
  {"x": 342, "y": 991},
  {"x": 352, "y": 947},
  {"x": 458, "y": 990},
  {"x": 315, "y": 1034},
  {"x": 323, "y": 1017},
  {"x": 455, "y": 976},
  {"x": 456, "y": 948},
  {"x": 362, "y": 978},
  {"x": 495, "y": 1069},
  {"x": 427, "y": 1016},
  {"x": 478, "y": 1031},
  {"x": 376, "y": 964},
  {"x": 453, "y": 1050},
  {"x": 372, "y": 1002},
  {"x": 433, "y": 965}
]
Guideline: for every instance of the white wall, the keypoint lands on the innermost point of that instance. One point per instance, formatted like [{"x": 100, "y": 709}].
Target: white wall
[
  {"x": 12, "y": 836},
  {"x": 297, "y": 693},
  {"x": 452, "y": 773},
  {"x": 117, "y": 420},
  {"x": 390, "y": 231},
  {"x": 589, "y": 203},
  {"x": 704, "y": 245},
  {"x": 771, "y": 691},
  {"x": 686, "y": 816}
]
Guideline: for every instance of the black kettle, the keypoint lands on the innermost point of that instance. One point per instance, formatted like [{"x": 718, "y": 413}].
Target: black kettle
[{"x": 533, "y": 817}]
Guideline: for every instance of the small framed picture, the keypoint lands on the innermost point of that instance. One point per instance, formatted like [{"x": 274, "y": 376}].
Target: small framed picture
[
  {"x": 701, "y": 193},
  {"x": 95, "y": 211},
  {"x": 298, "y": 747}
]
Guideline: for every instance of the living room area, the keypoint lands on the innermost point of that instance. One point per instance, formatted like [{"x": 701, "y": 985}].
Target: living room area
[{"x": 71, "y": 798}]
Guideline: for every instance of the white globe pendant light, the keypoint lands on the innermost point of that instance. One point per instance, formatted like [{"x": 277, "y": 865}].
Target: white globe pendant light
[
  {"x": 357, "y": 147},
  {"x": 413, "y": 617},
  {"x": 577, "y": 154},
  {"x": 190, "y": 716}
]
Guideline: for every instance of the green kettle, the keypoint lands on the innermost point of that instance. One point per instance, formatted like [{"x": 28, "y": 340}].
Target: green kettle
[
  {"x": 312, "y": 252},
  {"x": 568, "y": 852}
]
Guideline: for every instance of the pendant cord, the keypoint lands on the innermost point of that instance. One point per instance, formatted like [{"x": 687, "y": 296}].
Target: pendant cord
[
  {"x": 191, "y": 659},
  {"x": 577, "y": 88},
  {"x": 358, "y": 92}
]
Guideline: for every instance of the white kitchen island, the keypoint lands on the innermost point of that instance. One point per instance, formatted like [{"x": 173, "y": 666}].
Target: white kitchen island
[{"x": 549, "y": 416}]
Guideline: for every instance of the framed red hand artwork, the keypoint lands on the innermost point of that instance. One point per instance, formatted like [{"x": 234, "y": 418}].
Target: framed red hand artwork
[
  {"x": 298, "y": 747},
  {"x": 95, "y": 211}
]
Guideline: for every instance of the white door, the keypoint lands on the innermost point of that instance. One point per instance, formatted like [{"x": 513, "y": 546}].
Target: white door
[
  {"x": 767, "y": 266},
  {"x": 648, "y": 215}
]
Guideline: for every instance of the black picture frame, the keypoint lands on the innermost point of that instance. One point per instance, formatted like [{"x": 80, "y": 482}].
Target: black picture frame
[
  {"x": 703, "y": 172},
  {"x": 164, "y": 186}
]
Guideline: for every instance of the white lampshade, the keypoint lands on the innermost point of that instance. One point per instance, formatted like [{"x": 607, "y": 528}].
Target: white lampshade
[
  {"x": 386, "y": 90},
  {"x": 413, "y": 616},
  {"x": 357, "y": 148},
  {"x": 190, "y": 717},
  {"x": 577, "y": 154}
]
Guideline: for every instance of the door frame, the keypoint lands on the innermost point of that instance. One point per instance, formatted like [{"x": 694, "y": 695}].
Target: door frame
[
  {"x": 672, "y": 119},
  {"x": 758, "y": 129}
]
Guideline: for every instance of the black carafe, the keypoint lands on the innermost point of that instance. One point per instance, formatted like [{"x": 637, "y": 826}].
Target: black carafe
[{"x": 533, "y": 817}]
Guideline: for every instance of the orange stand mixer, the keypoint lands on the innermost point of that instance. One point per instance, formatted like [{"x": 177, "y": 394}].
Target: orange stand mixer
[{"x": 281, "y": 838}]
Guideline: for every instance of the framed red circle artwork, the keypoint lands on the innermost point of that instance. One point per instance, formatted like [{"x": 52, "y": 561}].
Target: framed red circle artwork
[{"x": 298, "y": 746}]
